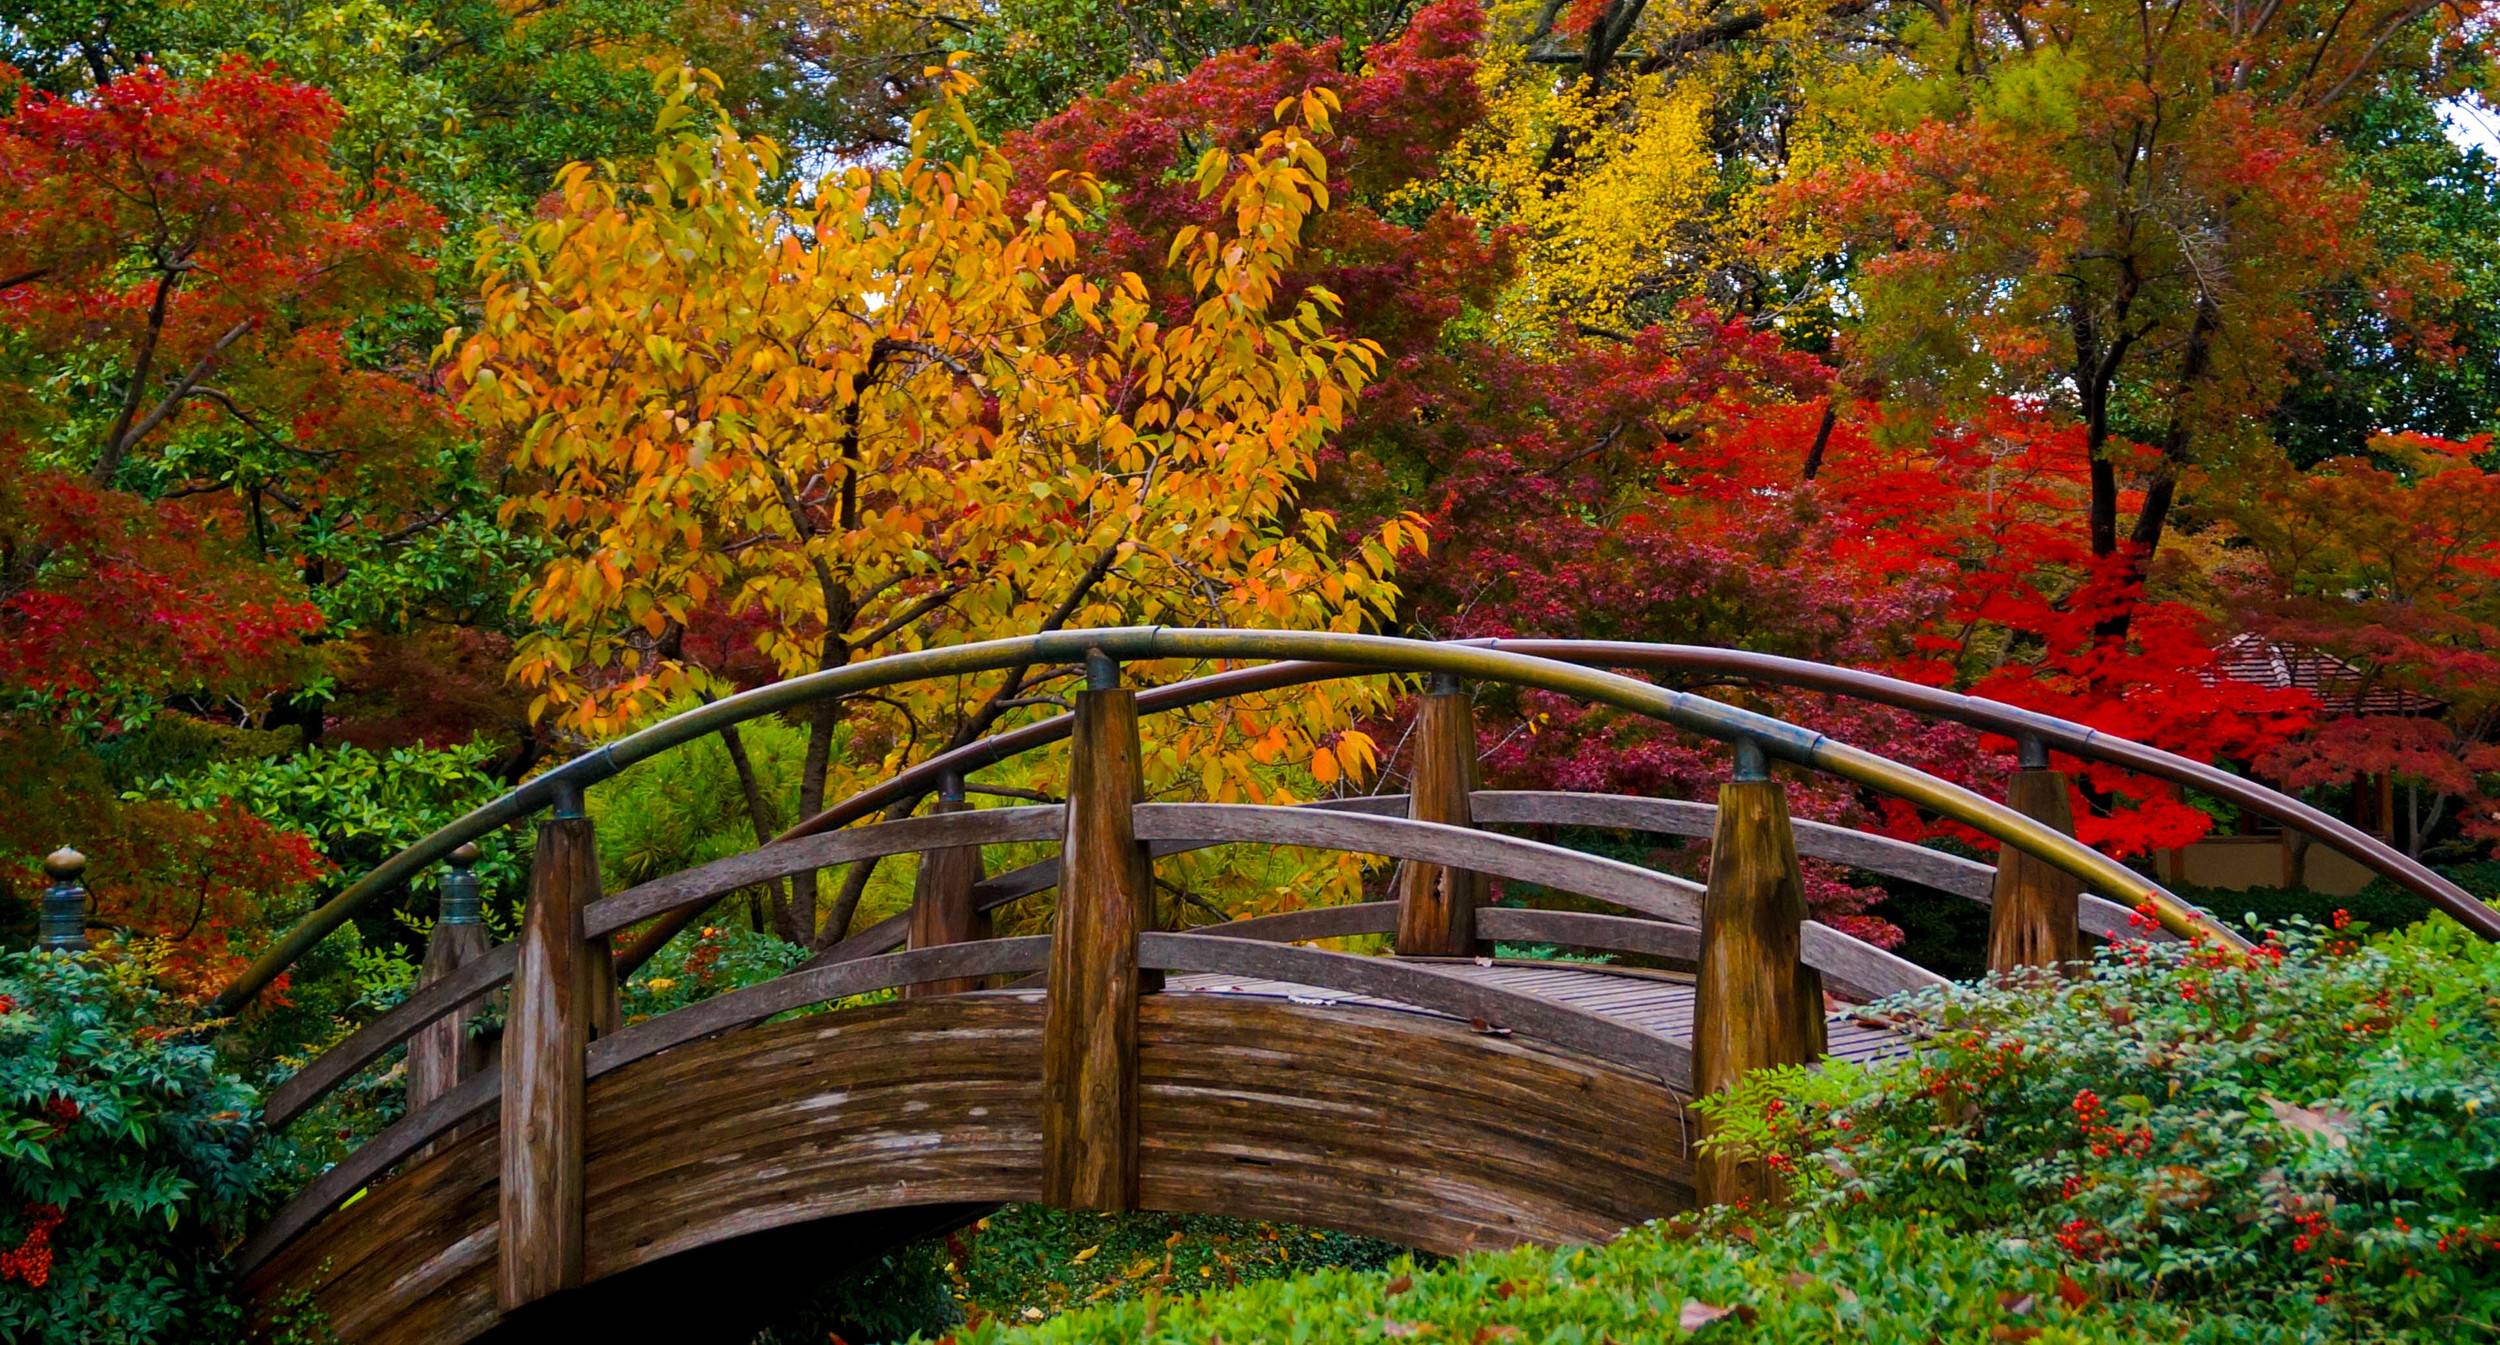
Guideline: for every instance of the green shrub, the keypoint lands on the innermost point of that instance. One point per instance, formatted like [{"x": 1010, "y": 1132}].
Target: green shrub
[
  {"x": 2314, "y": 1129},
  {"x": 1030, "y": 1261},
  {"x": 127, "y": 1158},
  {"x": 1878, "y": 1281}
]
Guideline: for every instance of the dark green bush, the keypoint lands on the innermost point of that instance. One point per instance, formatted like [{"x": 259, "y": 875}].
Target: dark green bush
[
  {"x": 127, "y": 1158},
  {"x": 2313, "y": 1130}
]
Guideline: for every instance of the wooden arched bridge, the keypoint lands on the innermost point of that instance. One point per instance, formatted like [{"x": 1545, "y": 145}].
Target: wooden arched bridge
[{"x": 1439, "y": 1097}]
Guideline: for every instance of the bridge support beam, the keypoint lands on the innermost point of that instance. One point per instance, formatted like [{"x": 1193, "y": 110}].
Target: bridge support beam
[
  {"x": 2031, "y": 918},
  {"x": 1436, "y": 904},
  {"x": 1106, "y": 898},
  {"x": 1756, "y": 1004},
  {"x": 942, "y": 909},
  {"x": 556, "y": 994}
]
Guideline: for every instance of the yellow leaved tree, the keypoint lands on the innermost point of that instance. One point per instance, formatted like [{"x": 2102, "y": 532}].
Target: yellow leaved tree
[{"x": 887, "y": 413}]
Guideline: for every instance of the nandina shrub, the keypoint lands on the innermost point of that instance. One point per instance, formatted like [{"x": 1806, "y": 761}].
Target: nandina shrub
[
  {"x": 126, "y": 1157},
  {"x": 2313, "y": 1130}
]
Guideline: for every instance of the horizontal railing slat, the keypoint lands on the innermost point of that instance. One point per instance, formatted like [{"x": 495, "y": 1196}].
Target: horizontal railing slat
[{"x": 1424, "y": 986}]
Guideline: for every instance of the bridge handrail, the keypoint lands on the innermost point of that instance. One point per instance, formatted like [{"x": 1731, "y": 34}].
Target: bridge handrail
[
  {"x": 1419, "y": 985},
  {"x": 484, "y": 1090},
  {"x": 1979, "y": 712},
  {"x": 1866, "y": 850},
  {"x": 1858, "y": 966},
  {"x": 2064, "y": 735},
  {"x": 1886, "y": 855},
  {"x": 1424, "y": 986},
  {"x": 987, "y": 826},
  {"x": 1693, "y": 713}
]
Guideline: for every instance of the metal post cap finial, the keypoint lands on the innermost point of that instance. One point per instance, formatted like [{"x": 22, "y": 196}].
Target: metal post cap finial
[
  {"x": 61, "y": 923},
  {"x": 2031, "y": 753},
  {"x": 459, "y": 904},
  {"x": 1751, "y": 765},
  {"x": 1102, "y": 672}
]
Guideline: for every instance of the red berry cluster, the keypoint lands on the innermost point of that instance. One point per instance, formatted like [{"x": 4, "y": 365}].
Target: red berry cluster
[
  {"x": 2092, "y": 1119},
  {"x": 31, "y": 1259}
]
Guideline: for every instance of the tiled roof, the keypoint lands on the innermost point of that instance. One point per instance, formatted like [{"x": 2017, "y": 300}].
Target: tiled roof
[{"x": 2260, "y": 662}]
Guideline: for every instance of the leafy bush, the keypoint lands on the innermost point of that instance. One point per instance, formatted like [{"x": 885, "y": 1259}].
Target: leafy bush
[
  {"x": 1880, "y": 1281},
  {"x": 363, "y": 807},
  {"x": 2309, "y": 1134},
  {"x": 716, "y": 959},
  {"x": 126, "y": 1156},
  {"x": 1030, "y": 1261}
]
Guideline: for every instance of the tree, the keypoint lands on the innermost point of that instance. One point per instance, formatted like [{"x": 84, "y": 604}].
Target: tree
[
  {"x": 181, "y": 271},
  {"x": 2122, "y": 212},
  {"x": 1035, "y": 58},
  {"x": 890, "y": 414},
  {"x": 2387, "y": 563}
]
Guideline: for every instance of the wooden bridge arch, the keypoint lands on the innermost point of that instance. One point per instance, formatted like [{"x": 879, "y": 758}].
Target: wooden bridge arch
[{"x": 1438, "y": 1098}]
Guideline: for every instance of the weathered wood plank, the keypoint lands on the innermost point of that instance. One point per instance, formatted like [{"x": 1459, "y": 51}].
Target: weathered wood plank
[
  {"x": 479, "y": 1094},
  {"x": 1858, "y": 969},
  {"x": 1437, "y": 902},
  {"x": 428, "y": 1003},
  {"x": 1579, "y": 929},
  {"x": 1680, "y": 817},
  {"x": 471, "y": 1097},
  {"x": 1815, "y": 840},
  {"x": 942, "y": 909},
  {"x": 1321, "y": 922},
  {"x": 1042, "y": 875},
  {"x": 1386, "y": 1124},
  {"x": 540, "y": 1224},
  {"x": 1432, "y": 1135},
  {"x": 1628, "y": 885},
  {"x": 1106, "y": 898},
  {"x": 2032, "y": 921},
  {"x": 979, "y": 826},
  {"x": 1749, "y": 1009},
  {"x": 1426, "y": 986},
  {"x": 813, "y": 986}
]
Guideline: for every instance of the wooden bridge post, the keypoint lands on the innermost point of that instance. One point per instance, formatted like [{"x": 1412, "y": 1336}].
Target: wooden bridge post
[
  {"x": 942, "y": 909},
  {"x": 1437, "y": 905},
  {"x": 1106, "y": 897},
  {"x": 1755, "y": 1004},
  {"x": 554, "y": 997},
  {"x": 445, "y": 1051},
  {"x": 2031, "y": 918}
]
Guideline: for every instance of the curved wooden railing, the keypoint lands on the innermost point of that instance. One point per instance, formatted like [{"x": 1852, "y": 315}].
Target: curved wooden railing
[
  {"x": 1856, "y": 968},
  {"x": 479, "y": 1093},
  {"x": 1757, "y": 956},
  {"x": 1336, "y": 655}
]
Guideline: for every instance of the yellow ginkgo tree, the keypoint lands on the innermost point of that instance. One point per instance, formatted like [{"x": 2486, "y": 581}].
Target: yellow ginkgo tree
[{"x": 889, "y": 412}]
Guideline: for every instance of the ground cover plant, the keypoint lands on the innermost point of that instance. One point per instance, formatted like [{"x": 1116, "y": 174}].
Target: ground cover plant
[{"x": 2178, "y": 1145}]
